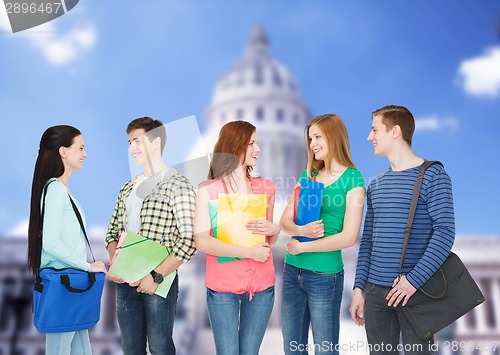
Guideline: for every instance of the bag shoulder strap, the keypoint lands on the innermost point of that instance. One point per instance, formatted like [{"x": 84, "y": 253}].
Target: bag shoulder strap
[
  {"x": 78, "y": 216},
  {"x": 43, "y": 210},
  {"x": 41, "y": 221},
  {"x": 413, "y": 208}
]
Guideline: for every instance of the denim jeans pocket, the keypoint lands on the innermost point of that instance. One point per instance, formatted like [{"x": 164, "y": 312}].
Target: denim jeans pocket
[
  {"x": 211, "y": 293},
  {"x": 328, "y": 274}
]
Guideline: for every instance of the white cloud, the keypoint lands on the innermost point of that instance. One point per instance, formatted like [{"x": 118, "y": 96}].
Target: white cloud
[
  {"x": 480, "y": 76},
  {"x": 64, "y": 48},
  {"x": 20, "y": 230},
  {"x": 57, "y": 48},
  {"x": 4, "y": 20},
  {"x": 435, "y": 123}
]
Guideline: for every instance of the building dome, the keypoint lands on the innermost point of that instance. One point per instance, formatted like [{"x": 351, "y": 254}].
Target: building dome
[
  {"x": 256, "y": 76},
  {"x": 262, "y": 91}
]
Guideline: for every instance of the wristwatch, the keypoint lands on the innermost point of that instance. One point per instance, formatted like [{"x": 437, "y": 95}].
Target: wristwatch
[{"x": 157, "y": 277}]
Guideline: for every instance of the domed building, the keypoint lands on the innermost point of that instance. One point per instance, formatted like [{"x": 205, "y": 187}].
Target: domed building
[{"x": 262, "y": 91}]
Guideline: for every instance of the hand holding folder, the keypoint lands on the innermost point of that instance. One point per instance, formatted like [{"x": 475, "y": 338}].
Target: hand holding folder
[
  {"x": 307, "y": 204},
  {"x": 233, "y": 213},
  {"x": 135, "y": 257}
]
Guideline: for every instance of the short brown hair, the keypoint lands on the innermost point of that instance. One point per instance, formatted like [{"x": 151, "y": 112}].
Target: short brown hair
[
  {"x": 149, "y": 124},
  {"x": 393, "y": 115}
]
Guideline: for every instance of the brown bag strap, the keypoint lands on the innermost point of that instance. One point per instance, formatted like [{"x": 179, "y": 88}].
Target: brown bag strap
[{"x": 413, "y": 208}]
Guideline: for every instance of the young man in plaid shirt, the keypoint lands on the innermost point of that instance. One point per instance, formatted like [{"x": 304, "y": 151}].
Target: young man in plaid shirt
[{"x": 157, "y": 204}]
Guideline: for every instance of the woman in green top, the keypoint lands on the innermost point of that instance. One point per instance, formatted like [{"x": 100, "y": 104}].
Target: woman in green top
[{"x": 313, "y": 278}]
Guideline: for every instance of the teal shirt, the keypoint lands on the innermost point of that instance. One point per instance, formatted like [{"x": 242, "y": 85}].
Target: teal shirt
[
  {"x": 63, "y": 241},
  {"x": 332, "y": 213}
]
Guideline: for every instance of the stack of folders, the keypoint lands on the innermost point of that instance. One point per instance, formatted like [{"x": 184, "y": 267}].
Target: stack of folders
[
  {"x": 229, "y": 215},
  {"x": 307, "y": 204},
  {"x": 135, "y": 256}
]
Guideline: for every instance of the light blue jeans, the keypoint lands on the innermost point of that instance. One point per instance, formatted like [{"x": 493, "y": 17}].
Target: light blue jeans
[
  {"x": 144, "y": 317},
  {"x": 311, "y": 298},
  {"x": 74, "y": 343},
  {"x": 239, "y": 324}
]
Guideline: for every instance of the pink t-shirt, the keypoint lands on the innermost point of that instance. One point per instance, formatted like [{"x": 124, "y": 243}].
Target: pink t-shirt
[{"x": 246, "y": 275}]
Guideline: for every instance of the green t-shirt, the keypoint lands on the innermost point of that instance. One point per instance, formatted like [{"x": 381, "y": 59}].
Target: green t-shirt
[{"x": 332, "y": 213}]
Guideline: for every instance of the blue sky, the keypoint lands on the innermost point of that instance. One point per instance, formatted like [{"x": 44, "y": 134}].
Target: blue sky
[{"x": 106, "y": 63}]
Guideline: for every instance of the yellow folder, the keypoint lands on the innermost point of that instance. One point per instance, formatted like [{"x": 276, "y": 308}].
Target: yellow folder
[
  {"x": 136, "y": 256},
  {"x": 233, "y": 213}
]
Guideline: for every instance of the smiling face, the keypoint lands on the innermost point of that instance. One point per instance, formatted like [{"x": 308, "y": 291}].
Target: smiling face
[
  {"x": 381, "y": 137},
  {"x": 140, "y": 147},
  {"x": 252, "y": 152},
  {"x": 74, "y": 154},
  {"x": 317, "y": 143}
]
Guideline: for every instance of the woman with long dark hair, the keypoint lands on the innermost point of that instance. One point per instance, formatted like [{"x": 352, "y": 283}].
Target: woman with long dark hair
[
  {"x": 61, "y": 152},
  {"x": 240, "y": 293}
]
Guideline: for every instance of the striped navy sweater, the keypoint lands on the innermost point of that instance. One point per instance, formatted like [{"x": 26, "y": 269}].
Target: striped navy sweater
[{"x": 432, "y": 233}]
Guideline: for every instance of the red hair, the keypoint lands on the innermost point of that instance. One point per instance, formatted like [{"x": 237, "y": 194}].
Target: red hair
[{"x": 230, "y": 149}]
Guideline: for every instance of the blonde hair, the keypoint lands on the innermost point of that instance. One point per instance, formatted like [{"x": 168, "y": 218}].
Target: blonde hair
[{"x": 333, "y": 129}]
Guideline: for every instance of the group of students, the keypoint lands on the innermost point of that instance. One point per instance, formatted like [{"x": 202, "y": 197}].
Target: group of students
[{"x": 161, "y": 204}]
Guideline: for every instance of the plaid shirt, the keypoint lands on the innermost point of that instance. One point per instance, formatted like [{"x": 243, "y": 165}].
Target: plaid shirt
[{"x": 166, "y": 215}]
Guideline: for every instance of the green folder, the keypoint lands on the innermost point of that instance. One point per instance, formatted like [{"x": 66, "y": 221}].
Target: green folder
[
  {"x": 136, "y": 256},
  {"x": 213, "y": 207}
]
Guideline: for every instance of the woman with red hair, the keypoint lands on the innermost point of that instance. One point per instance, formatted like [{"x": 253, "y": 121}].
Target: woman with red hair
[{"x": 240, "y": 293}]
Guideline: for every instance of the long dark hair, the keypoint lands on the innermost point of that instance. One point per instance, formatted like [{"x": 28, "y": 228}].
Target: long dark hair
[
  {"x": 48, "y": 165},
  {"x": 231, "y": 146}
]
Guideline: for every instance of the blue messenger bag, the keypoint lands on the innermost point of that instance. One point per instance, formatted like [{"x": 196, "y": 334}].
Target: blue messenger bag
[{"x": 67, "y": 300}]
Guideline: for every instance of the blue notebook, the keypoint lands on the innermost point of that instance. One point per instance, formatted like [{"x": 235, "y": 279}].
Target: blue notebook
[{"x": 307, "y": 204}]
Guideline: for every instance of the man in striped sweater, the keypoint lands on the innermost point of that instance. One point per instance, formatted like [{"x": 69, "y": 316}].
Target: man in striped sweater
[{"x": 377, "y": 289}]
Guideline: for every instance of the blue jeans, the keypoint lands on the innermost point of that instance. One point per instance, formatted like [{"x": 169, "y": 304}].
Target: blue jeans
[
  {"x": 311, "y": 298},
  {"x": 142, "y": 316},
  {"x": 239, "y": 324},
  {"x": 385, "y": 324},
  {"x": 74, "y": 343}
]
